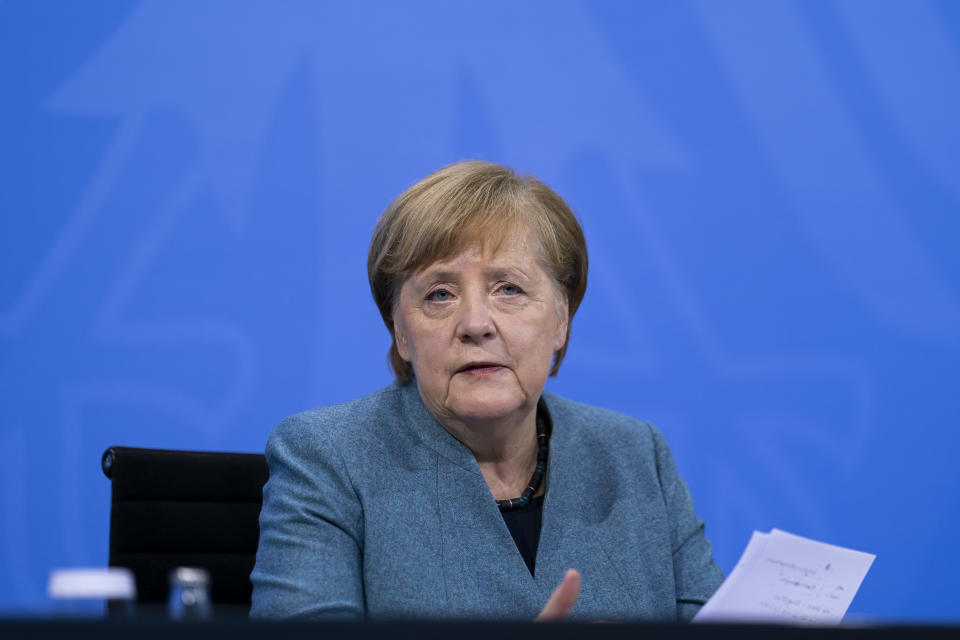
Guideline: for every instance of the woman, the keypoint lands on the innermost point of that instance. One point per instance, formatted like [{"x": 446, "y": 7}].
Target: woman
[{"x": 464, "y": 490}]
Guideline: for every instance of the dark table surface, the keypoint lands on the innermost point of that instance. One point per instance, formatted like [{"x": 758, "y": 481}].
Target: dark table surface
[{"x": 236, "y": 628}]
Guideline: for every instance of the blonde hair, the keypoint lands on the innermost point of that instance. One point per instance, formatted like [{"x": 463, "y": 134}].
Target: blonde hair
[{"x": 463, "y": 204}]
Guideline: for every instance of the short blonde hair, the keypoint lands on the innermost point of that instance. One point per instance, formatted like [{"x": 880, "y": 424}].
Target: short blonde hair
[{"x": 463, "y": 204}]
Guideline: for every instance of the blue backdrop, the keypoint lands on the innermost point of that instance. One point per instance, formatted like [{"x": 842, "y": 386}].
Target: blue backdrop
[{"x": 770, "y": 192}]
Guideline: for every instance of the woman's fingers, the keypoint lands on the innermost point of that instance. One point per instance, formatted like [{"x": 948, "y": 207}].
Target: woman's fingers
[{"x": 563, "y": 598}]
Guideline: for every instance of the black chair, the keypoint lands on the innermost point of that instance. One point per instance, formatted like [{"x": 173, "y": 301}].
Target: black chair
[{"x": 185, "y": 508}]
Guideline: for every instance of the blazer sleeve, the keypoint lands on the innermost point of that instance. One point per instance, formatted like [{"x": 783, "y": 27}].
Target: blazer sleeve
[
  {"x": 696, "y": 575},
  {"x": 309, "y": 559}
]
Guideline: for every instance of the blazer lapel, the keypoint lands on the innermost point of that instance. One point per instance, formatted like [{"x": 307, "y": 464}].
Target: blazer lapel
[
  {"x": 580, "y": 524},
  {"x": 484, "y": 574},
  {"x": 483, "y": 570}
]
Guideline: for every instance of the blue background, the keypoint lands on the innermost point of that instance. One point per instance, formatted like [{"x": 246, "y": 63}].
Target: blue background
[{"x": 770, "y": 192}]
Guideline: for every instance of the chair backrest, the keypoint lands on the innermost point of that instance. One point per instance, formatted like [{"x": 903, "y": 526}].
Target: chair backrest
[{"x": 186, "y": 508}]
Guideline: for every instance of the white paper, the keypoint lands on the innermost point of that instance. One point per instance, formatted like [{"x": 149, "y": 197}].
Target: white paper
[{"x": 785, "y": 578}]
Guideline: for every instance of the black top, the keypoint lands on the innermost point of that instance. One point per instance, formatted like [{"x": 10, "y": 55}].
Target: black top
[{"x": 524, "y": 525}]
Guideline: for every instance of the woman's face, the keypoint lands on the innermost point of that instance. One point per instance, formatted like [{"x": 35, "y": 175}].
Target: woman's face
[{"x": 480, "y": 330}]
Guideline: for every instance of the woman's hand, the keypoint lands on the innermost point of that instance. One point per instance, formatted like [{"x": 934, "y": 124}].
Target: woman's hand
[{"x": 563, "y": 598}]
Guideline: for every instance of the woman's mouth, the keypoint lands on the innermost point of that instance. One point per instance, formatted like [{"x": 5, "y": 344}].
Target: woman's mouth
[{"x": 480, "y": 369}]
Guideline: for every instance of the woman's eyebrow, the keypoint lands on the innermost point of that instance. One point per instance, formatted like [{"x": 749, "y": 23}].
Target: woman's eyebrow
[
  {"x": 506, "y": 273},
  {"x": 494, "y": 273},
  {"x": 438, "y": 275}
]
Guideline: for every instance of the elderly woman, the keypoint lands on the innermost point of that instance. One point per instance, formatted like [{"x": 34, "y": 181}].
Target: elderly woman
[{"x": 463, "y": 489}]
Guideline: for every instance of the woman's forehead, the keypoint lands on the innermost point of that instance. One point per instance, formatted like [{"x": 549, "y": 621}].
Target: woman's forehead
[{"x": 510, "y": 253}]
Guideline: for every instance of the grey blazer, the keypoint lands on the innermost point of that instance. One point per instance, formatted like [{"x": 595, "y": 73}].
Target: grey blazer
[{"x": 374, "y": 509}]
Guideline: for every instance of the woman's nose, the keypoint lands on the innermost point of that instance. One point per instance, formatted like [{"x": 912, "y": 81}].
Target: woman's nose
[{"x": 476, "y": 322}]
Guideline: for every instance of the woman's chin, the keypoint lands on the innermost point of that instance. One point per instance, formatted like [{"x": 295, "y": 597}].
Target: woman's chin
[{"x": 487, "y": 406}]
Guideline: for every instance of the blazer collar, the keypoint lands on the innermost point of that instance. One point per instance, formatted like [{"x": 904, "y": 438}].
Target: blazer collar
[
  {"x": 432, "y": 433},
  {"x": 436, "y": 436}
]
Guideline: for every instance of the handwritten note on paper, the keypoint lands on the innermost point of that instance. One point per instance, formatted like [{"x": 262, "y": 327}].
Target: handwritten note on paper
[{"x": 785, "y": 578}]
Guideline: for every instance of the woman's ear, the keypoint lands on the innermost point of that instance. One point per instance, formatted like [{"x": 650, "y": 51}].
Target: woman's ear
[
  {"x": 400, "y": 339},
  {"x": 563, "y": 321}
]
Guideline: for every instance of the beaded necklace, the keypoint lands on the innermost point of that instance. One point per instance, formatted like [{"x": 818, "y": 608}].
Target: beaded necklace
[{"x": 543, "y": 445}]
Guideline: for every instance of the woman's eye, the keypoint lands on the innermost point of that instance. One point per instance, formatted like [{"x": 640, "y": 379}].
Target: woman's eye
[
  {"x": 439, "y": 295},
  {"x": 510, "y": 290}
]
